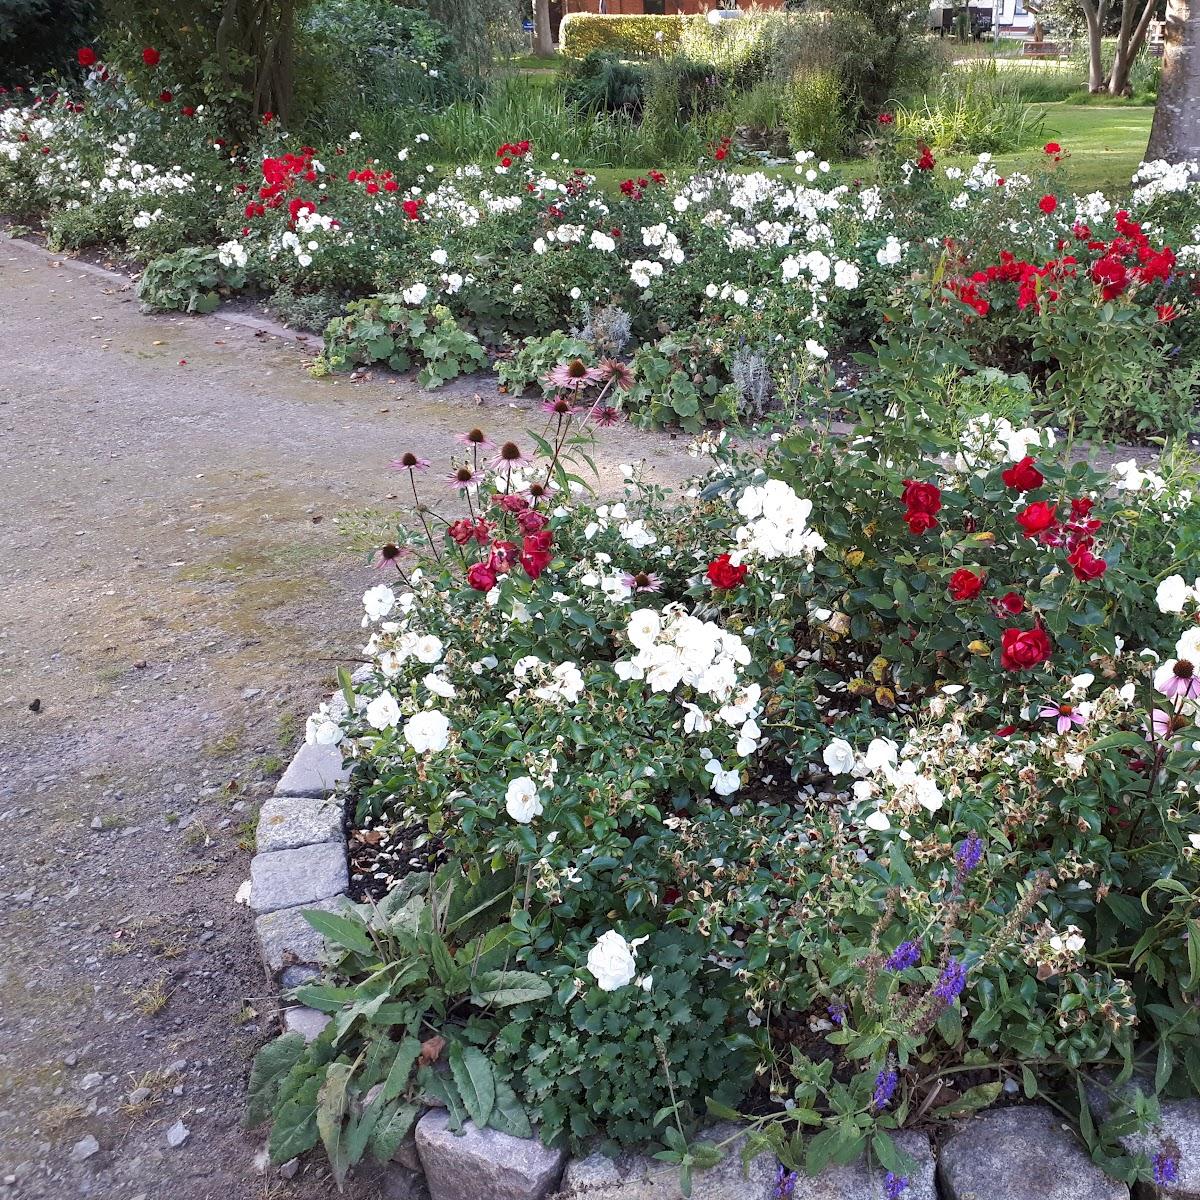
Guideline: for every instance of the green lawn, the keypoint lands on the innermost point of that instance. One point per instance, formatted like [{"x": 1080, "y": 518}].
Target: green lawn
[{"x": 1106, "y": 142}]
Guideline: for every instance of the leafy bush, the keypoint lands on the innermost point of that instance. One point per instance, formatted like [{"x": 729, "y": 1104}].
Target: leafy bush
[
  {"x": 536, "y": 357},
  {"x": 388, "y": 329},
  {"x": 427, "y": 958},
  {"x": 40, "y": 37},
  {"x": 595, "y": 1062},
  {"x": 814, "y": 115},
  {"x": 637, "y": 36},
  {"x": 190, "y": 280},
  {"x": 601, "y": 82}
]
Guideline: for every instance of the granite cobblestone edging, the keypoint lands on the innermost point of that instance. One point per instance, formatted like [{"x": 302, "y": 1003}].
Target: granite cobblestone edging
[{"x": 1024, "y": 1152}]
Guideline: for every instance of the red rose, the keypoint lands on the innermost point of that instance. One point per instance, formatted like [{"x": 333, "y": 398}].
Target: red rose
[
  {"x": 920, "y": 522},
  {"x": 165, "y": 96},
  {"x": 539, "y": 542},
  {"x": 921, "y": 497},
  {"x": 1086, "y": 565},
  {"x": 723, "y": 574},
  {"x": 502, "y": 557},
  {"x": 1047, "y": 204},
  {"x": 86, "y": 56},
  {"x": 531, "y": 521},
  {"x": 1023, "y": 476},
  {"x": 188, "y": 110},
  {"x": 1022, "y": 650},
  {"x": 1052, "y": 148},
  {"x": 1013, "y": 603},
  {"x": 512, "y": 502},
  {"x": 965, "y": 584},
  {"x": 150, "y": 56},
  {"x": 1037, "y": 518},
  {"x": 481, "y": 577},
  {"x": 1082, "y": 506},
  {"x": 461, "y": 531}
]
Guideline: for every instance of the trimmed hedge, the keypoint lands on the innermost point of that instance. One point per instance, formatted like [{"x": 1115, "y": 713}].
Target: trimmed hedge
[{"x": 633, "y": 36}]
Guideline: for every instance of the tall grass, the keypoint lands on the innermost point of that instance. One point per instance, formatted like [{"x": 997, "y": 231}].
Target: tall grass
[
  {"x": 972, "y": 111},
  {"x": 521, "y": 106}
]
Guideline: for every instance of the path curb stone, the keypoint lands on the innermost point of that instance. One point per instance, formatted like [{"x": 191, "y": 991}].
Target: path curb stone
[{"x": 1021, "y": 1153}]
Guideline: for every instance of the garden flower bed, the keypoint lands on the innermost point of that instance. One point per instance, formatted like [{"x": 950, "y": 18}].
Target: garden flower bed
[
  {"x": 849, "y": 792},
  {"x": 730, "y": 294}
]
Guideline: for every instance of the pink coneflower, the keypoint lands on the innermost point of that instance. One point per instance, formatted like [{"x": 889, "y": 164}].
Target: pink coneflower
[
  {"x": 1067, "y": 714},
  {"x": 619, "y": 372},
  {"x": 561, "y": 406},
  {"x": 605, "y": 415},
  {"x": 643, "y": 581},
  {"x": 1177, "y": 679},
  {"x": 390, "y": 556},
  {"x": 573, "y": 374},
  {"x": 509, "y": 457},
  {"x": 476, "y": 439},
  {"x": 463, "y": 478},
  {"x": 408, "y": 461},
  {"x": 1161, "y": 723}
]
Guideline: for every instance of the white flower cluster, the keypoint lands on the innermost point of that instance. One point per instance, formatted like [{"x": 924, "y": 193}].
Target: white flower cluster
[
  {"x": 675, "y": 648},
  {"x": 555, "y": 683},
  {"x": 1174, "y": 594},
  {"x": 314, "y": 232},
  {"x": 884, "y": 779},
  {"x": 232, "y": 254},
  {"x": 777, "y": 523},
  {"x": 986, "y": 439}
]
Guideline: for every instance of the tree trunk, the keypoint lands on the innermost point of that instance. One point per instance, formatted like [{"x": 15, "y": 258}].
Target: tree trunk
[
  {"x": 1129, "y": 45},
  {"x": 543, "y": 35},
  {"x": 1175, "y": 134},
  {"x": 1093, "y": 16}
]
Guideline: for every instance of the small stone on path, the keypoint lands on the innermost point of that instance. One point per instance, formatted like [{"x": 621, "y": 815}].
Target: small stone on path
[
  {"x": 178, "y": 1134},
  {"x": 84, "y": 1149}
]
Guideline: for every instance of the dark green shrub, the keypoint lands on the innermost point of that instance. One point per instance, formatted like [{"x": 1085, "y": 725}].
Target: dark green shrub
[
  {"x": 38, "y": 37},
  {"x": 601, "y": 82}
]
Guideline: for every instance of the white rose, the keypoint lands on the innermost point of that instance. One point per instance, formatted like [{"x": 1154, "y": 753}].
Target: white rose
[
  {"x": 378, "y": 601},
  {"x": 427, "y": 731},
  {"x": 880, "y": 753},
  {"x": 612, "y": 961},
  {"x": 644, "y": 627},
  {"x": 521, "y": 800},
  {"x": 839, "y": 756},
  {"x": 1172, "y": 594},
  {"x": 428, "y": 649},
  {"x": 383, "y": 712},
  {"x": 878, "y": 821}
]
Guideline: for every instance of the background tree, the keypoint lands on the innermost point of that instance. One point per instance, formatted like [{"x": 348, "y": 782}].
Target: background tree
[
  {"x": 543, "y": 35},
  {"x": 1175, "y": 134},
  {"x": 1127, "y": 20}
]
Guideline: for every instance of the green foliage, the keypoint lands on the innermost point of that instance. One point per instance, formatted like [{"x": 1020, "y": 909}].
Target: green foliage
[
  {"x": 632, "y": 1062},
  {"x": 814, "y": 113},
  {"x": 386, "y": 328},
  {"x": 678, "y": 383},
  {"x": 41, "y": 37},
  {"x": 190, "y": 280},
  {"x": 537, "y": 357},
  {"x": 601, "y": 82},
  {"x": 435, "y": 955},
  {"x": 632, "y": 36},
  {"x": 973, "y": 112}
]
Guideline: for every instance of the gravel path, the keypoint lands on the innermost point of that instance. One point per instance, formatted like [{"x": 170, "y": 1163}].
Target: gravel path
[{"x": 176, "y": 591}]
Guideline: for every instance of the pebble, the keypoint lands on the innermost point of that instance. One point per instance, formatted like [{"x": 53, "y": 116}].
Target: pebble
[
  {"x": 91, "y": 1080},
  {"x": 177, "y": 1134},
  {"x": 84, "y": 1149},
  {"x": 289, "y": 1168}
]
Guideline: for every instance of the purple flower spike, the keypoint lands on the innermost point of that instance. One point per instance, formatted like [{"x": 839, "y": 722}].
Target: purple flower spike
[
  {"x": 894, "y": 1185},
  {"x": 1166, "y": 1168},
  {"x": 885, "y": 1088},
  {"x": 905, "y": 955},
  {"x": 969, "y": 853},
  {"x": 951, "y": 982},
  {"x": 785, "y": 1183}
]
